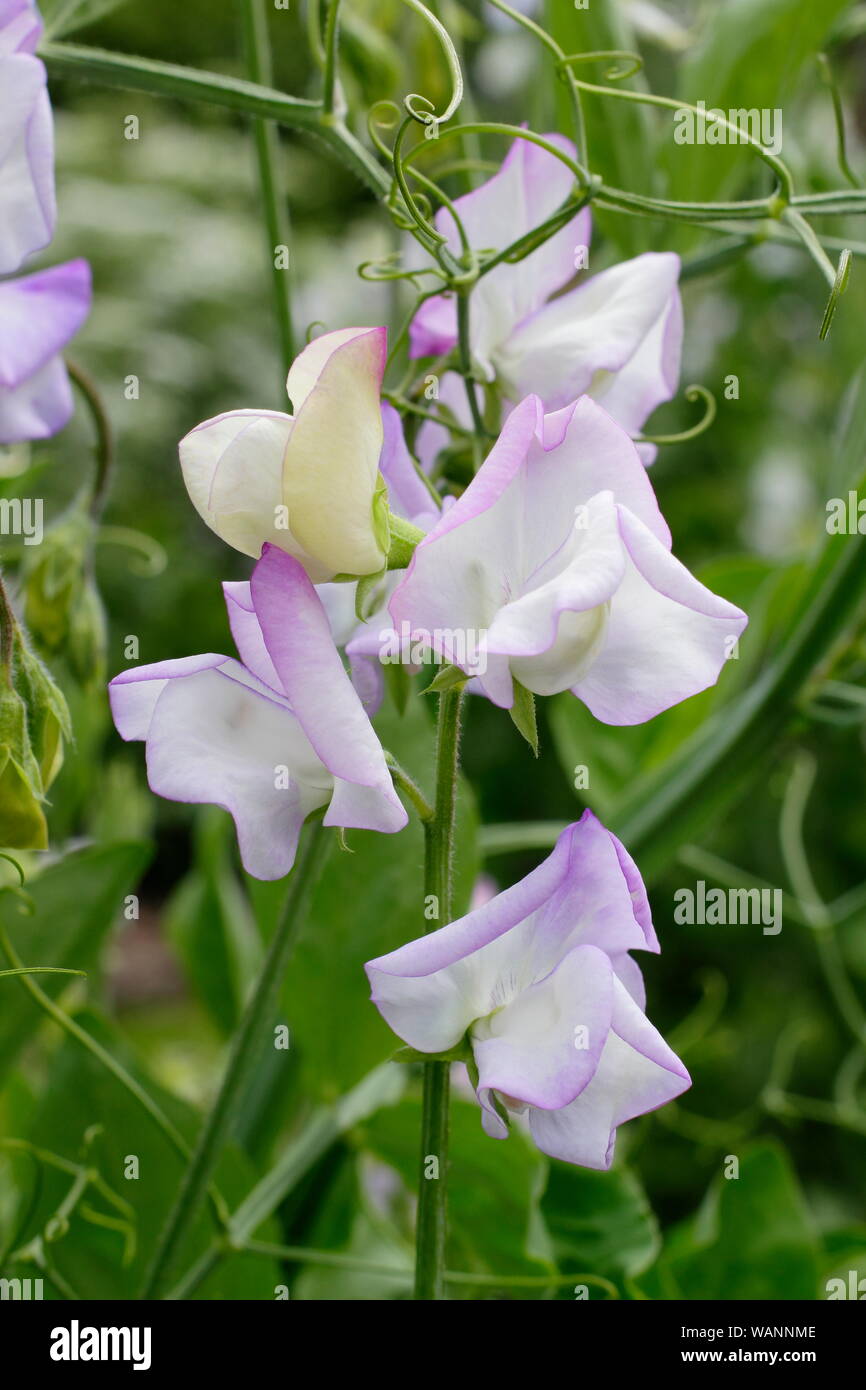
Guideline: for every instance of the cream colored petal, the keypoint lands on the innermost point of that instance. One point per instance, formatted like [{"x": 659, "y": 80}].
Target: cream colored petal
[{"x": 331, "y": 461}]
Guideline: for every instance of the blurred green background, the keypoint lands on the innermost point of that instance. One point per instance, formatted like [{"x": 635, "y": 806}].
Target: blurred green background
[{"x": 772, "y": 1028}]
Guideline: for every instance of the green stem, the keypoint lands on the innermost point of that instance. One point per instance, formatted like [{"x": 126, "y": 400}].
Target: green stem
[
  {"x": 278, "y": 229},
  {"x": 439, "y": 853},
  {"x": 332, "y": 43},
  {"x": 232, "y": 93},
  {"x": 104, "y": 435},
  {"x": 8, "y": 628},
  {"x": 465, "y": 351},
  {"x": 403, "y": 782},
  {"x": 245, "y": 1044}
]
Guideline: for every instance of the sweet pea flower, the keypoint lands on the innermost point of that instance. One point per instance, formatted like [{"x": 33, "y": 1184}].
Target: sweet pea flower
[
  {"x": 558, "y": 556},
  {"x": 271, "y": 737},
  {"x": 38, "y": 316},
  {"x": 308, "y": 483},
  {"x": 617, "y": 336},
  {"x": 27, "y": 205},
  {"x": 538, "y": 984}
]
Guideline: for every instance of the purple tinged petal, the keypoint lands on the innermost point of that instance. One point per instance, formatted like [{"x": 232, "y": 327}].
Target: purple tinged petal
[
  {"x": 668, "y": 636},
  {"x": 39, "y": 314},
  {"x": 637, "y": 1073},
  {"x": 432, "y": 989},
  {"x": 27, "y": 200},
  {"x": 556, "y": 558},
  {"x": 408, "y": 493},
  {"x": 247, "y": 633},
  {"x": 433, "y": 330},
  {"x": 20, "y": 27},
  {"x": 299, "y": 642},
  {"x": 216, "y": 735},
  {"x": 601, "y": 900},
  {"x": 456, "y": 576},
  {"x": 590, "y": 452},
  {"x": 421, "y": 996},
  {"x": 540, "y": 979},
  {"x": 134, "y": 693},
  {"x": 529, "y": 187}
]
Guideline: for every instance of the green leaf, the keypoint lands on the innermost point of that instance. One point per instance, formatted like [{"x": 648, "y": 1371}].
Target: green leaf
[
  {"x": 523, "y": 715},
  {"x": 446, "y": 679},
  {"x": 211, "y": 924},
  {"x": 600, "y": 1223},
  {"x": 750, "y": 1239},
  {"x": 76, "y": 902},
  {"x": 65, "y": 16}
]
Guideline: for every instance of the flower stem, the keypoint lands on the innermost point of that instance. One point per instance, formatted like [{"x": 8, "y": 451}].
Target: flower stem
[
  {"x": 332, "y": 43},
  {"x": 8, "y": 628},
  {"x": 439, "y": 852},
  {"x": 104, "y": 435},
  {"x": 465, "y": 349},
  {"x": 232, "y": 93},
  {"x": 245, "y": 1046},
  {"x": 278, "y": 230}
]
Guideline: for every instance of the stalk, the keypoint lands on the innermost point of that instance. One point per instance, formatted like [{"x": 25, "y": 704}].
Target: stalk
[{"x": 431, "y": 1226}]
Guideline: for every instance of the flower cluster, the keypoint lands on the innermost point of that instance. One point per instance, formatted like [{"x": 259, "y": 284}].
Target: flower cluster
[
  {"x": 556, "y": 556},
  {"x": 40, "y": 312}
]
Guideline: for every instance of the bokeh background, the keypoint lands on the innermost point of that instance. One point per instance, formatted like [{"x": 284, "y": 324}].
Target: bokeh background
[{"x": 772, "y": 1027}]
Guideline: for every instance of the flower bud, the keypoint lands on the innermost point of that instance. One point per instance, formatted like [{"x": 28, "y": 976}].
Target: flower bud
[
  {"x": 62, "y": 607},
  {"x": 309, "y": 483},
  {"x": 22, "y": 821}
]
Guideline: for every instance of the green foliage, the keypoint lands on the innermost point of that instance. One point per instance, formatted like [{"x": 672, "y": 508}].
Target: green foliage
[
  {"x": 64, "y": 17},
  {"x": 170, "y": 223},
  {"x": 600, "y": 1222},
  {"x": 750, "y": 55},
  {"x": 751, "y": 1238},
  {"x": 135, "y": 1160},
  {"x": 75, "y": 903}
]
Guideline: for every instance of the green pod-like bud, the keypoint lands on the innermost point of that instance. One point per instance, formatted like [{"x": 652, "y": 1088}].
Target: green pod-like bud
[
  {"x": 54, "y": 577},
  {"x": 22, "y": 820},
  {"x": 48, "y": 719}
]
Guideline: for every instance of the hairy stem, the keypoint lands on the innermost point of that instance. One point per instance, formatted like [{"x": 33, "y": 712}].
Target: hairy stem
[{"x": 439, "y": 853}]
